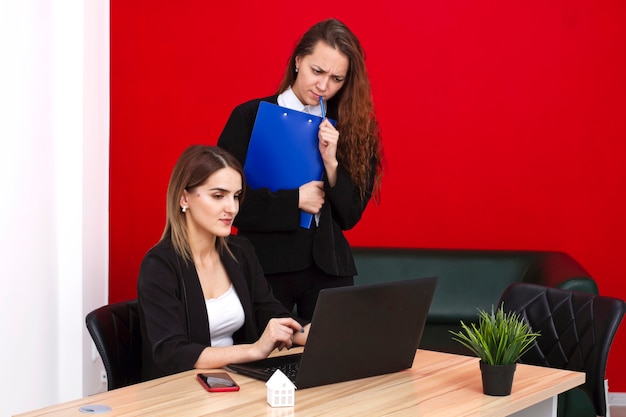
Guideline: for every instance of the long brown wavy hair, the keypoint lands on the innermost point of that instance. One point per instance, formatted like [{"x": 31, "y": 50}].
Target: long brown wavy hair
[{"x": 359, "y": 150}]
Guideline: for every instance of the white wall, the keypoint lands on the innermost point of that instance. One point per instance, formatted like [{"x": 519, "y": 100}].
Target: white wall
[
  {"x": 95, "y": 167},
  {"x": 54, "y": 210}
]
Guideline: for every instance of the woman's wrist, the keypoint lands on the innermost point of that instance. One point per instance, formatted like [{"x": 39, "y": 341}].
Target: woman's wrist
[
  {"x": 331, "y": 172},
  {"x": 254, "y": 352}
]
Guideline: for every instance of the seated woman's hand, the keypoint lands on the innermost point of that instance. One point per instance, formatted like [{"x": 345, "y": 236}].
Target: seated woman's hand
[{"x": 278, "y": 335}]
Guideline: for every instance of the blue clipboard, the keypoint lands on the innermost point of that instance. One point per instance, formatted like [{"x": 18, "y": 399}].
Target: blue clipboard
[{"x": 283, "y": 152}]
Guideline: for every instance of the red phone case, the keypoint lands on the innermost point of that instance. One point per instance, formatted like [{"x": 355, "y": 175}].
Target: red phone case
[{"x": 223, "y": 375}]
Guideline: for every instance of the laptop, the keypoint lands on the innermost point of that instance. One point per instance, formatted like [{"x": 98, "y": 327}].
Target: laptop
[{"x": 356, "y": 332}]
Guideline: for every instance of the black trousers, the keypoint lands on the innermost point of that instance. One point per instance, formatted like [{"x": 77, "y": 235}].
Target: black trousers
[{"x": 300, "y": 289}]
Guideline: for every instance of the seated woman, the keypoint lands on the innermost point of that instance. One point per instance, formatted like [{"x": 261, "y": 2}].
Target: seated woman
[{"x": 204, "y": 301}]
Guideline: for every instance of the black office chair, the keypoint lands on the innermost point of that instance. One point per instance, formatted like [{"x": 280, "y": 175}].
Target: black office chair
[
  {"x": 576, "y": 329},
  {"x": 115, "y": 329}
]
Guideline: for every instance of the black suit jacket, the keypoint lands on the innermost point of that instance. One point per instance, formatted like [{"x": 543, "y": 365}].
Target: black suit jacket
[
  {"x": 270, "y": 220},
  {"x": 174, "y": 321}
]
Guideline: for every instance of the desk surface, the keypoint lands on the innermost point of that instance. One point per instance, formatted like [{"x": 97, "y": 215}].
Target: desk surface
[{"x": 438, "y": 384}]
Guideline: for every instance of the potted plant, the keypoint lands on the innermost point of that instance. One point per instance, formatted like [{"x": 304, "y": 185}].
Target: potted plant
[{"x": 499, "y": 340}]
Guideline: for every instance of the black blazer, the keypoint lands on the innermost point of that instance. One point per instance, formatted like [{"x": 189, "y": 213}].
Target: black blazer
[
  {"x": 270, "y": 220},
  {"x": 174, "y": 322}
]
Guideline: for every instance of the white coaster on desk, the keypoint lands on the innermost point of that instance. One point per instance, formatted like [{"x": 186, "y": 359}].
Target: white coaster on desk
[{"x": 94, "y": 409}]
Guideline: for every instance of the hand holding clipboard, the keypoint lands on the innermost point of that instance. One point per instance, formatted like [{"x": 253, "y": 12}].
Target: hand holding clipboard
[{"x": 283, "y": 152}]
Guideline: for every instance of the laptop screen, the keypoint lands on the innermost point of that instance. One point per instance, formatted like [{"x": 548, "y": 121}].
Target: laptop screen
[{"x": 359, "y": 331}]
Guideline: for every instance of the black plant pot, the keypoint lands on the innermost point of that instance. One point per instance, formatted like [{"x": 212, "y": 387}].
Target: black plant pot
[{"x": 497, "y": 379}]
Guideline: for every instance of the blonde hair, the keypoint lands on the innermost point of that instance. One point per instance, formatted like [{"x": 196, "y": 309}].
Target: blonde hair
[{"x": 194, "y": 166}]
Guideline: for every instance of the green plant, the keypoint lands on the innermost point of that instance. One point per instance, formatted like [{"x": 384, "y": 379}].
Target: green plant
[{"x": 499, "y": 339}]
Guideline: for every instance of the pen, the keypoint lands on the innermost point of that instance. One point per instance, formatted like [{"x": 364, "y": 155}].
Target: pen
[{"x": 322, "y": 106}]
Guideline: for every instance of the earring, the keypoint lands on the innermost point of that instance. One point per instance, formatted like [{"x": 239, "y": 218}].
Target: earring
[
  {"x": 184, "y": 209},
  {"x": 296, "y": 69}
]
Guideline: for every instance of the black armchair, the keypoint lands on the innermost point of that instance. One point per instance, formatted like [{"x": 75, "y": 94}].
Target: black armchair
[
  {"x": 115, "y": 330},
  {"x": 576, "y": 328}
]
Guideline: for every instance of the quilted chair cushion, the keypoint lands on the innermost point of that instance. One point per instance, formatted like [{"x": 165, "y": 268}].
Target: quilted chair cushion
[
  {"x": 115, "y": 330},
  {"x": 576, "y": 329}
]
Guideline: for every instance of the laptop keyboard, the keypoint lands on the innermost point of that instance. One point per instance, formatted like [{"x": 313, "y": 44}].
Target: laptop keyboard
[{"x": 289, "y": 369}]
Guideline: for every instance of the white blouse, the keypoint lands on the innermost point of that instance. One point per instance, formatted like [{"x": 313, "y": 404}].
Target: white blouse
[
  {"x": 289, "y": 99},
  {"x": 225, "y": 317}
]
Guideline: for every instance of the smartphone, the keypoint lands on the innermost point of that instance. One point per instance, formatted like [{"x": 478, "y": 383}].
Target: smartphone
[{"x": 217, "y": 382}]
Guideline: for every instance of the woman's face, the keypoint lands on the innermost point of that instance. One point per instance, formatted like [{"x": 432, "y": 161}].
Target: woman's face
[
  {"x": 322, "y": 73},
  {"x": 212, "y": 206}
]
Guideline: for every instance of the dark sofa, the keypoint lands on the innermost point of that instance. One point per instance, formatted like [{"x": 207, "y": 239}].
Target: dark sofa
[{"x": 470, "y": 280}]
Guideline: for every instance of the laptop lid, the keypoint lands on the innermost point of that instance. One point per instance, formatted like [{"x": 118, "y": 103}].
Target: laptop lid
[{"x": 362, "y": 331}]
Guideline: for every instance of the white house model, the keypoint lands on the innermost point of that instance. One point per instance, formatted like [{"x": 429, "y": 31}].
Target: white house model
[{"x": 280, "y": 390}]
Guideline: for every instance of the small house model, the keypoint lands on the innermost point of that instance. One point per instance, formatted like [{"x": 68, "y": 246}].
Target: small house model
[{"x": 280, "y": 390}]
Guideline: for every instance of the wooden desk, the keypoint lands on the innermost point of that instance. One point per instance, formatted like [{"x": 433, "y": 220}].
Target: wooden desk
[{"x": 438, "y": 384}]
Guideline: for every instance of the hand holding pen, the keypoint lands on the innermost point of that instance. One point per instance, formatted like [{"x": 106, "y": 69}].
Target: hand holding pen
[{"x": 328, "y": 137}]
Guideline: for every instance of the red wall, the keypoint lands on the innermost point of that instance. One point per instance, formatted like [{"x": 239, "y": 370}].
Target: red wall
[{"x": 504, "y": 123}]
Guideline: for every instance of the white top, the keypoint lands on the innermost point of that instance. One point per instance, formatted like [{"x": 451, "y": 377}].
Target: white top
[
  {"x": 225, "y": 317},
  {"x": 288, "y": 99}
]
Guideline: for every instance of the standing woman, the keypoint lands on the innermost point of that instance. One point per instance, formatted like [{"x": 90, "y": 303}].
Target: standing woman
[
  {"x": 203, "y": 299},
  {"x": 327, "y": 62}
]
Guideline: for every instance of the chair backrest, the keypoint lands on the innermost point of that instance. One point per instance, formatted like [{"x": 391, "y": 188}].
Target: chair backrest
[
  {"x": 115, "y": 330},
  {"x": 576, "y": 329}
]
